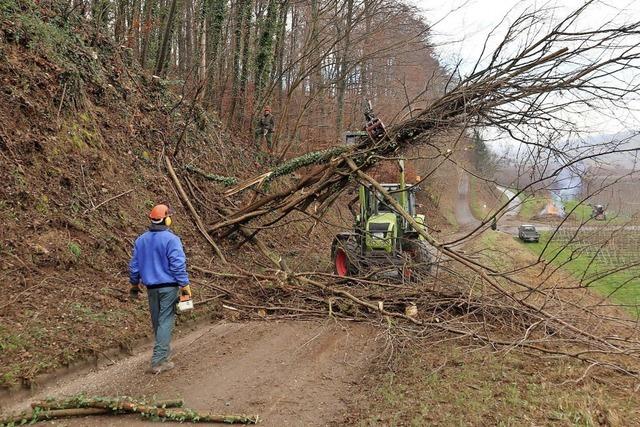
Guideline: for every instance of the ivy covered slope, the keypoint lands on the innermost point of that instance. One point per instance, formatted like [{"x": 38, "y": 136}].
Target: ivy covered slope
[{"x": 82, "y": 131}]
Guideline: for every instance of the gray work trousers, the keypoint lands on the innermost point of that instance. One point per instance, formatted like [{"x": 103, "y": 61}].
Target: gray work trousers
[{"x": 162, "y": 305}]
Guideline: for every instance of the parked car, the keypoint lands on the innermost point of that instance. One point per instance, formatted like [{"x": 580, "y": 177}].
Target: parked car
[{"x": 528, "y": 233}]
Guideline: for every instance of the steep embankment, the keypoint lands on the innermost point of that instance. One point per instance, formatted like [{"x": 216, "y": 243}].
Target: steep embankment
[{"x": 81, "y": 139}]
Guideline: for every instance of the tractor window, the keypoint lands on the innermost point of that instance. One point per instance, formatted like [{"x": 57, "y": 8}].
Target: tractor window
[
  {"x": 381, "y": 204},
  {"x": 384, "y": 207}
]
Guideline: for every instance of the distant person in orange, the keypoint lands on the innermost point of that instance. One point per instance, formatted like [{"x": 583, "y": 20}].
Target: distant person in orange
[{"x": 265, "y": 128}]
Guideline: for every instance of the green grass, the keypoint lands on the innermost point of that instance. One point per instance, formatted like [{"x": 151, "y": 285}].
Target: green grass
[
  {"x": 532, "y": 206},
  {"x": 75, "y": 249},
  {"x": 478, "y": 209},
  {"x": 447, "y": 386},
  {"x": 481, "y": 208},
  {"x": 621, "y": 287},
  {"x": 490, "y": 245},
  {"x": 450, "y": 216},
  {"x": 581, "y": 213}
]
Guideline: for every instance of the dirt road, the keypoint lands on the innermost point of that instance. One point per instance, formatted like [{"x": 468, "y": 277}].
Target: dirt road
[
  {"x": 290, "y": 373},
  {"x": 463, "y": 214},
  {"x": 514, "y": 205}
]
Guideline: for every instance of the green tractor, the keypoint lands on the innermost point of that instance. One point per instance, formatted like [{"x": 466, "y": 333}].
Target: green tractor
[{"x": 381, "y": 237}]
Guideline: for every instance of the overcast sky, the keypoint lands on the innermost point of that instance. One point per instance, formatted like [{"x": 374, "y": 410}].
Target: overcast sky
[
  {"x": 459, "y": 30},
  {"x": 460, "y": 27}
]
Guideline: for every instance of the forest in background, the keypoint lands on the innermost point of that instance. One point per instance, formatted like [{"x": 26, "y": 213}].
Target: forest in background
[{"x": 312, "y": 61}]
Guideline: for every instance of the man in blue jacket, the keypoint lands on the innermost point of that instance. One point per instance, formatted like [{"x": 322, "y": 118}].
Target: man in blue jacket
[{"x": 159, "y": 263}]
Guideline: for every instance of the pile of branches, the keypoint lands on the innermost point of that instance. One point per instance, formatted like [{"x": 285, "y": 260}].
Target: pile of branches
[
  {"x": 561, "y": 68},
  {"x": 80, "y": 406}
]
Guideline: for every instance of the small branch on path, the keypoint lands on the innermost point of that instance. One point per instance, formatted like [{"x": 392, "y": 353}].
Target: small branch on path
[{"x": 82, "y": 406}]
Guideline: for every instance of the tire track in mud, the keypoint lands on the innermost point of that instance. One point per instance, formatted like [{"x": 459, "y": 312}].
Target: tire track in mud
[{"x": 290, "y": 373}]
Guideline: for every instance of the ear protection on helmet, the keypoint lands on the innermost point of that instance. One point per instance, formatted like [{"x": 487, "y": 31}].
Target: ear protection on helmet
[{"x": 168, "y": 221}]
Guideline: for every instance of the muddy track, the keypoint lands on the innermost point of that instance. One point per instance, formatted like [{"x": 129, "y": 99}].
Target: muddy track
[{"x": 290, "y": 373}]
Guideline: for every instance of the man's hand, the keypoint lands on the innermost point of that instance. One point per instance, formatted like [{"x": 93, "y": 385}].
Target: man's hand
[
  {"x": 185, "y": 290},
  {"x": 134, "y": 292}
]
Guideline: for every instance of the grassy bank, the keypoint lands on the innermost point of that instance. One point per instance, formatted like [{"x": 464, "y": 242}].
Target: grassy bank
[
  {"x": 443, "y": 385},
  {"x": 580, "y": 212},
  {"x": 532, "y": 206},
  {"x": 446, "y": 383},
  {"x": 484, "y": 199},
  {"x": 591, "y": 269}
]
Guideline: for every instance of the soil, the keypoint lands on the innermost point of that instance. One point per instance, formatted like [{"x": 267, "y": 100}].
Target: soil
[{"x": 289, "y": 373}]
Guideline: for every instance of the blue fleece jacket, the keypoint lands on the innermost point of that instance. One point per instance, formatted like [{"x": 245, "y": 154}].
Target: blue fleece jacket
[{"x": 158, "y": 259}]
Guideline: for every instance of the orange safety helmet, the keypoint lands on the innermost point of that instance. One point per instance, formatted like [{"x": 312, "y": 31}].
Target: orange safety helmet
[{"x": 159, "y": 213}]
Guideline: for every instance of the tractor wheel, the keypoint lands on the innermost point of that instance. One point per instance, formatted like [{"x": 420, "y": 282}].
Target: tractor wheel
[
  {"x": 421, "y": 259},
  {"x": 344, "y": 258},
  {"x": 425, "y": 257}
]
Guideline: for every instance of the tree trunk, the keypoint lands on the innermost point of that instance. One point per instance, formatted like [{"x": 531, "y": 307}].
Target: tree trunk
[
  {"x": 215, "y": 15},
  {"x": 120, "y": 20},
  {"x": 280, "y": 50},
  {"x": 244, "y": 71},
  {"x": 264, "y": 56},
  {"x": 341, "y": 84},
  {"x": 313, "y": 64},
  {"x": 188, "y": 35},
  {"x": 133, "y": 34},
  {"x": 163, "y": 53},
  {"x": 241, "y": 6},
  {"x": 100, "y": 15},
  {"x": 147, "y": 27}
]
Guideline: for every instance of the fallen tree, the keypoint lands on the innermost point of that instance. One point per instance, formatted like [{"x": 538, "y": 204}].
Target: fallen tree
[{"x": 522, "y": 89}]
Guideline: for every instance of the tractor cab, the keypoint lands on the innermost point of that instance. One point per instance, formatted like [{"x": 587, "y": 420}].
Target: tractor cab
[
  {"x": 372, "y": 202},
  {"x": 405, "y": 197},
  {"x": 382, "y": 227},
  {"x": 408, "y": 199}
]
